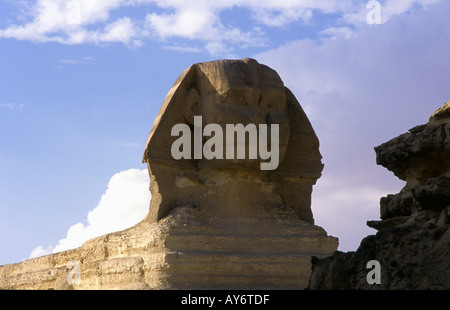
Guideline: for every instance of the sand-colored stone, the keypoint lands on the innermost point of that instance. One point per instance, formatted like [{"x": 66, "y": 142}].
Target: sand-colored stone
[{"x": 212, "y": 224}]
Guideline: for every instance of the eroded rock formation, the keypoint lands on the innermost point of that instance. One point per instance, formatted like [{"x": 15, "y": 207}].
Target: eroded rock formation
[
  {"x": 412, "y": 244},
  {"x": 212, "y": 223}
]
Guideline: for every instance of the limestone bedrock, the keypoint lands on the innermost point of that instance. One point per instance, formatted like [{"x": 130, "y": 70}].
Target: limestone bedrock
[
  {"x": 212, "y": 223},
  {"x": 412, "y": 243}
]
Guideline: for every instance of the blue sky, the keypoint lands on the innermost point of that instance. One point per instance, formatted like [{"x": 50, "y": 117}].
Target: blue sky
[{"x": 81, "y": 83}]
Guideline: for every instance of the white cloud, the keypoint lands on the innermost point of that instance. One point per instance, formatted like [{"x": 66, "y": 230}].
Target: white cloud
[
  {"x": 202, "y": 23},
  {"x": 184, "y": 49},
  {"x": 218, "y": 48},
  {"x": 278, "y": 18},
  {"x": 66, "y": 21},
  {"x": 40, "y": 251},
  {"x": 68, "y": 61},
  {"x": 89, "y": 21},
  {"x": 119, "y": 31},
  {"x": 334, "y": 32},
  {"x": 125, "y": 203},
  {"x": 71, "y": 61},
  {"x": 13, "y": 106},
  {"x": 188, "y": 23}
]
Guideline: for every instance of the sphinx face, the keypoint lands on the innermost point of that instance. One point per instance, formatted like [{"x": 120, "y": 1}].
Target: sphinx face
[{"x": 248, "y": 93}]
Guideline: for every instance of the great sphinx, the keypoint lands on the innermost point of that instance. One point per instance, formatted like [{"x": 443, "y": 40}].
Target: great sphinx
[{"x": 213, "y": 223}]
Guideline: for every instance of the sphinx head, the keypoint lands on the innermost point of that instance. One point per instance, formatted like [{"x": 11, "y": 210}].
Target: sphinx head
[{"x": 221, "y": 94}]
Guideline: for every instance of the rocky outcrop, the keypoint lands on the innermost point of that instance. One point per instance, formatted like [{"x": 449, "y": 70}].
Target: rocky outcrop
[
  {"x": 213, "y": 223},
  {"x": 412, "y": 244}
]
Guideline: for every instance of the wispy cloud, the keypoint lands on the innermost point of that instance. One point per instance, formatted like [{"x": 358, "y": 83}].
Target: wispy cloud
[
  {"x": 71, "y": 61},
  {"x": 184, "y": 49},
  {"x": 13, "y": 106}
]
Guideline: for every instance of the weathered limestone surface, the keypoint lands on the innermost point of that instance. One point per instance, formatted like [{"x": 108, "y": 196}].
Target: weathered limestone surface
[
  {"x": 413, "y": 239},
  {"x": 212, "y": 224}
]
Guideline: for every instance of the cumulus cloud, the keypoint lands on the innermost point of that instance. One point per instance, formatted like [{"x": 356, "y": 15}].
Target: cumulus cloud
[
  {"x": 125, "y": 203},
  {"x": 360, "y": 91},
  {"x": 90, "y": 21},
  {"x": 40, "y": 251},
  {"x": 122, "y": 30},
  {"x": 67, "y": 21}
]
